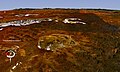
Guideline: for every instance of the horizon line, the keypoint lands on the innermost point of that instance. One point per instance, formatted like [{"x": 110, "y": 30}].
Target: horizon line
[{"x": 56, "y": 8}]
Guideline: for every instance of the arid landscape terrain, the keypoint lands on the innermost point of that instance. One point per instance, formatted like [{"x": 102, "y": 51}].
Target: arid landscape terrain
[{"x": 44, "y": 41}]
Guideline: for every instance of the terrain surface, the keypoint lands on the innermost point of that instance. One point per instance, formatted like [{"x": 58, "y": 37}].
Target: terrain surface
[{"x": 95, "y": 48}]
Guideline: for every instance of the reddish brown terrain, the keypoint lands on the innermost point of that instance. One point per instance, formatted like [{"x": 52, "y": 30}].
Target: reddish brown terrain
[{"x": 95, "y": 48}]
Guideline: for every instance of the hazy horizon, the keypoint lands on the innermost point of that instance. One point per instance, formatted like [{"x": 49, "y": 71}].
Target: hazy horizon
[{"x": 96, "y": 4}]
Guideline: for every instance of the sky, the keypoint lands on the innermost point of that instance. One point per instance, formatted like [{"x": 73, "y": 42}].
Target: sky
[{"x": 102, "y": 4}]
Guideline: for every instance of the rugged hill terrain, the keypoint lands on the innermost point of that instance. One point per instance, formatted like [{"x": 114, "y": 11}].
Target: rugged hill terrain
[{"x": 90, "y": 47}]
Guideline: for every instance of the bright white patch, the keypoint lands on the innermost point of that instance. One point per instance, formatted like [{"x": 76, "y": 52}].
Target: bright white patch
[
  {"x": 56, "y": 20},
  {"x": 68, "y": 20},
  {"x": 49, "y": 19},
  {"x": 13, "y": 67},
  {"x": 4, "y": 24},
  {"x": 17, "y": 15},
  {"x": 83, "y": 22},
  {"x": 48, "y": 48},
  {"x": 27, "y": 15},
  {"x": 16, "y": 65},
  {"x": 39, "y": 47},
  {"x": 1, "y": 28}
]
